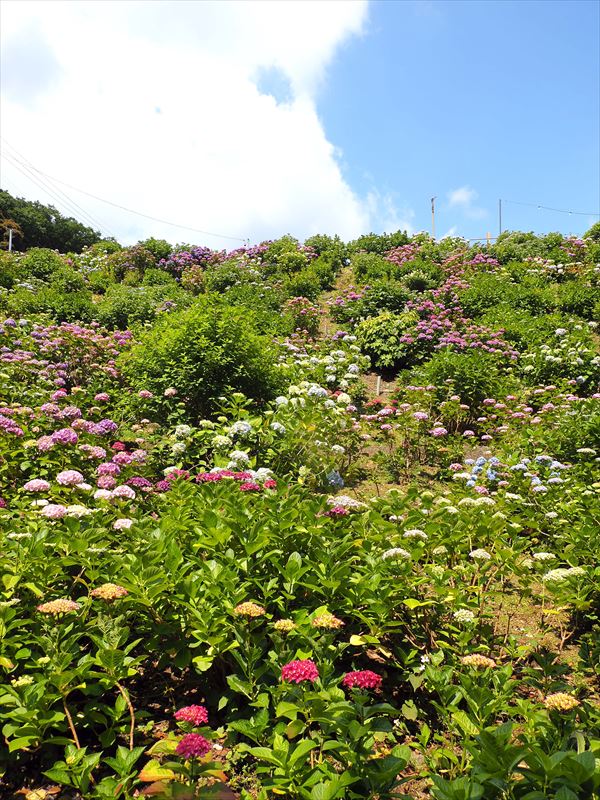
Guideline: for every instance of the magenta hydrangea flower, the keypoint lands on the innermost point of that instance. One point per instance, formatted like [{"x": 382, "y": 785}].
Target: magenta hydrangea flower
[
  {"x": 197, "y": 715},
  {"x": 336, "y": 511},
  {"x": 362, "y": 679},
  {"x": 192, "y": 745},
  {"x": 250, "y": 486},
  {"x": 299, "y": 671},
  {"x": 64, "y": 436}
]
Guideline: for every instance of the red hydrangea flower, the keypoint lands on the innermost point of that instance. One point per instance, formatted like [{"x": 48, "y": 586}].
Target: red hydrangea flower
[
  {"x": 362, "y": 679},
  {"x": 197, "y": 715},
  {"x": 270, "y": 484},
  {"x": 298, "y": 671},
  {"x": 192, "y": 745}
]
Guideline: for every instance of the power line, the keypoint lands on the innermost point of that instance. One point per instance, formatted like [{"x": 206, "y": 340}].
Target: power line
[
  {"x": 55, "y": 193},
  {"x": 139, "y": 213},
  {"x": 547, "y": 208},
  {"x": 72, "y": 203},
  {"x": 54, "y": 197}
]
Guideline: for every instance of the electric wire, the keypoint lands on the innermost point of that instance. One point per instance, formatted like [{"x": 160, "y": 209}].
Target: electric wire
[
  {"x": 138, "y": 213},
  {"x": 72, "y": 206},
  {"x": 548, "y": 208}
]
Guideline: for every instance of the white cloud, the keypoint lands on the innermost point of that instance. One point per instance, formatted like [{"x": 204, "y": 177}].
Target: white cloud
[
  {"x": 156, "y": 106},
  {"x": 464, "y": 199},
  {"x": 451, "y": 233}
]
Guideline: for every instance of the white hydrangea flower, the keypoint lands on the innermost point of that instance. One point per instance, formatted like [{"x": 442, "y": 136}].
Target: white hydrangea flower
[
  {"x": 544, "y": 556},
  {"x": 395, "y": 552},
  {"x": 464, "y": 615},
  {"x": 480, "y": 555}
]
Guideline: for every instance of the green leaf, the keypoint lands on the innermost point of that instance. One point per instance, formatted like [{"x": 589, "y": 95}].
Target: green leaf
[
  {"x": 285, "y": 709},
  {"x": 294, "y": 728},
  {"x": 465, "y": 723},
  {"x": 302, "y": 750},
  {"x": 411, "y": 602},
  {"x": 239, "y": 686}
]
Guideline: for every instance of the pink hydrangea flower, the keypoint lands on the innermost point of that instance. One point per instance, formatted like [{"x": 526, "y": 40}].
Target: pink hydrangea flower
[
  {"x": 336, "y": 511},
  {"x": 298, "y": 671},
  {"x": 122, "y": 524},
  {"x": 69, "y": 477},
  {"x": 197, "y": 715},
  {"x": 45, "y": 443},
  {"x": 36, "y": 485},
  {"x": 53, "y": 511},
  {"x": 192, "y": 745},
  {"x": 125, "y": 492},
  {"x": 362, "y": 679},
  {"x": 108, "y": 469}
]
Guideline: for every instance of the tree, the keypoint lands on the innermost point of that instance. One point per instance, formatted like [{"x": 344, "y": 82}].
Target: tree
[
  {"x": 7, "y": 225},
  {"x": 44, "y": 226}
]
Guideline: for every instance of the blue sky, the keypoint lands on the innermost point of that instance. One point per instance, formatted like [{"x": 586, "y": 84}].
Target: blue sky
[
  {"x": 247, "y": 119},
  {"x": 502, "y": 97}
]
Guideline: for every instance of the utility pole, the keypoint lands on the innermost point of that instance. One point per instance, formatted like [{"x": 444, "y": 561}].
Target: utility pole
[
  {"x": 499, "y": 217},
  {"x": 433, "y": 199},
  {"x": 10, "y": 239}
]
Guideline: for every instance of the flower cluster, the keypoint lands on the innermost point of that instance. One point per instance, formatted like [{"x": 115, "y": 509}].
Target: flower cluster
[{"x": 300, "y": 671}]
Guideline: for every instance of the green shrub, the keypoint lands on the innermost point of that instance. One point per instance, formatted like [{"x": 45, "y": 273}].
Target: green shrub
[
  {"x": 72, "y": 306},
  {"x": 379, "y": 338},
  {"x": 204, "y": 352},
  {"x": 39, "y": 262},
  {"x": 304, "y": 284},
  {"x": 124, "y": 306},
  {"x": 418, "y": 280},
  {"x": 379, "y": 243},
  {"x": 158, "y": 277},
  {"x": 9, "y": 270},
  {"x": 326, "y": 268},
  {"x": 66, "y": 279},
  {"x": 371, "y": 266},
  {"x": 332, "y": 246},
  {"x": 471, "y": 374},
  {"x": 131, "y": 261},
  {"x": 219, "y": 277},
  {"x": 578, "y": 297},
  {"x": 383, "y": 296},
  {"x": 159, "y": 248},
  {"x": 521, "y": 327},
  {"x": 488, "y": 291}
]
